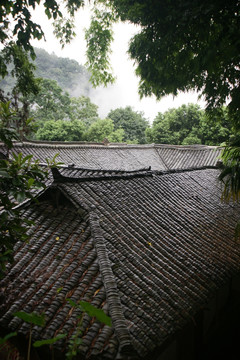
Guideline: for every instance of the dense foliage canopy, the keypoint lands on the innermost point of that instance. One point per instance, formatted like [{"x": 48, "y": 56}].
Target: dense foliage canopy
[
  {"x": 132, "y": 122},
  {"x": 51, "y": 102},
  {"x": 19, "y": 175},
  {"x": 188, "y": 125},
  {"x": 104, "y": 129},
  {"x": 61, "y": 130},
  {"x": 83, "y": 109},
  {"x": 179, "y": 46},
  {"x": 185, "y": 45}
]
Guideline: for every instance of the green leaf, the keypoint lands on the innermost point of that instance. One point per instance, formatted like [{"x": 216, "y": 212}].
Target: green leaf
[
  {"x": 98, "y": 313},
  {"x": 4, "y": 174},
  {"x": 21, "y": 196},
  {"x": 49, "y": 341},
  {"x": 78, "y": 341},
  {"x": 29, "y": 120},
  {"x": 8, "y": 336},
  {"x": 72, "y": 303},
  {"x": 25, "y": 158},
  {"x": 31, "y": 318},
  {"x": 30, "y": 183},
  {"x": 47, "y": 12}
]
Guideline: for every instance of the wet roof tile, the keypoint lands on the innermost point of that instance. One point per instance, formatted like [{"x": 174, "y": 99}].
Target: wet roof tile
[
  {"x": 123, "y": 157},
  {"x": 170, "y": 239},
  {"x": 58, "y": 263},
  {"x": 148, "y": 247}
]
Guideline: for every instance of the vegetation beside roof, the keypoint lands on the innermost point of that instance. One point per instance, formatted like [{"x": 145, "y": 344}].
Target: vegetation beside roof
[{"x": 218, "y": 82}]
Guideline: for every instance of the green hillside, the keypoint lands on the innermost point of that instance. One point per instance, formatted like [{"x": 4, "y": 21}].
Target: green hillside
[{"x": 69, "y": 75}]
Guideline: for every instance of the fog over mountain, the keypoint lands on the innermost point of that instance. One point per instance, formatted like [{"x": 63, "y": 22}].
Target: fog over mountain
[{"x": 75, "y": 79}]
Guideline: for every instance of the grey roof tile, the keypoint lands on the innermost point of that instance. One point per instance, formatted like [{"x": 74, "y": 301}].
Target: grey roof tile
[
  {"x": 171, "y": 238},
  {"x": 148, "y": 247},
  {"x": 59, "y": 262},
  {"x": 180, "y": 157},
  {"x": 122, "y": 157}
]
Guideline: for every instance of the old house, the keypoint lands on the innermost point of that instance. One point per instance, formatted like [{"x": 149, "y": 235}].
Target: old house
[{"x": 138, "y": 231}]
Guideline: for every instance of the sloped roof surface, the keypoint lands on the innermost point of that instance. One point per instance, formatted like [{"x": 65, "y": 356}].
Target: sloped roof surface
[
  {"x": 123, "y": 157},
  {"x": 169, "y": 237},
  {"x": 182, "y": 157},
  {"x": 60, "y": 262},
  {"x": 149, "y": 249}
]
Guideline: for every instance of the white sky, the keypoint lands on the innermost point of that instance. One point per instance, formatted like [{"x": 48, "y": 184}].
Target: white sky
[{"x": 125, "y": 91}]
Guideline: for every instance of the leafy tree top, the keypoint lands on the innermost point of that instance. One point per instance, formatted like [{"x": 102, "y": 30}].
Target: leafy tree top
[
  {"x": 186, "y": 45},
  {"x": 132, "y": 122},
  {"x": 179, "y": 46},
  {"x": 188, "y": 125}
]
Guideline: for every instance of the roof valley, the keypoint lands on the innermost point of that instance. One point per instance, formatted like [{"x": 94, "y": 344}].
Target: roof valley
[
  {"x": 161, "y": 158},
  {"x": 112, "y": 293}
]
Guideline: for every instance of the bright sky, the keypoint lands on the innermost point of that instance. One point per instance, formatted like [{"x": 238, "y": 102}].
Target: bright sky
[{"x": 125, "y": 91}]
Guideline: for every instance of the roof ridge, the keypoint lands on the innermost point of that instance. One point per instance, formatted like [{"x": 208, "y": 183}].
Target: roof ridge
[
  {"x": 173, "y": 171},
  {"x": 189, "y": 147},
  {"x": 69, "y": 167},
  {"x": 58, "y": 177},
  {"x": 82, "y": 144},
  {"x": 112, "y": 294},
  {"x": 102, "y": 145}
]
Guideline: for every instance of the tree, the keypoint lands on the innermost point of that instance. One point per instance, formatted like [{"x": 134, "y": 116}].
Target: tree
[
  {"x": 22, "y": 69},
  {"x": 16, "y": 39},
  {"x": 82, "y": 108},
  {"x": 132, "y": 122},
  {"x": 186, "y": 45},
  {"x": 51, "y": 102},
  {"x": 217, "y": 129},
  {"x": 191, "y": 139},
  {"x": 230, "y": 174},
  {"x": 18, "y": 176},
  {"x": 104, "y": 129},
  {"x": 188, "y": 125},
  {"x": 99, "y": 37},
  {"x": 70, "y": 76},
  {"x": 176, "y": 125},
  {"x": 61, "y": 130},
  {"x": 179, "y": 46}
]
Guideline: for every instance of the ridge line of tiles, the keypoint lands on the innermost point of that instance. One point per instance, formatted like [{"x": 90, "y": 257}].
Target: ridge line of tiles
[
  {"x": 67, "y": 167},
  {"x": 59, "y": 178},
  {"x": 113, "y": 298},
  {"x": 66, "y": 144}
]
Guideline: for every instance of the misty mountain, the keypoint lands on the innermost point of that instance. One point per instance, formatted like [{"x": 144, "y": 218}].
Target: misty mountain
[{"x": 69, "y": 74}]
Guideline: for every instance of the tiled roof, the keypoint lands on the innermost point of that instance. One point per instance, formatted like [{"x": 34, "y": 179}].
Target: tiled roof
[
  {"x": 181, "y": 157},
  {"x": 149, "y": 248},
  {"x": 122, "y": 157},
  {"x": 59, "y": 262}
]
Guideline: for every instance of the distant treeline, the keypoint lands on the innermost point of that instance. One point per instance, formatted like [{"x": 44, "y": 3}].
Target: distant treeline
[{"x": 63, "y": 111}]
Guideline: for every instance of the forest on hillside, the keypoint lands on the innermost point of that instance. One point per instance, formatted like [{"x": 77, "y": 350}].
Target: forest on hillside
[
  {"x": 63, "y": 111},
  {"x": 68, "y": 73}
]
